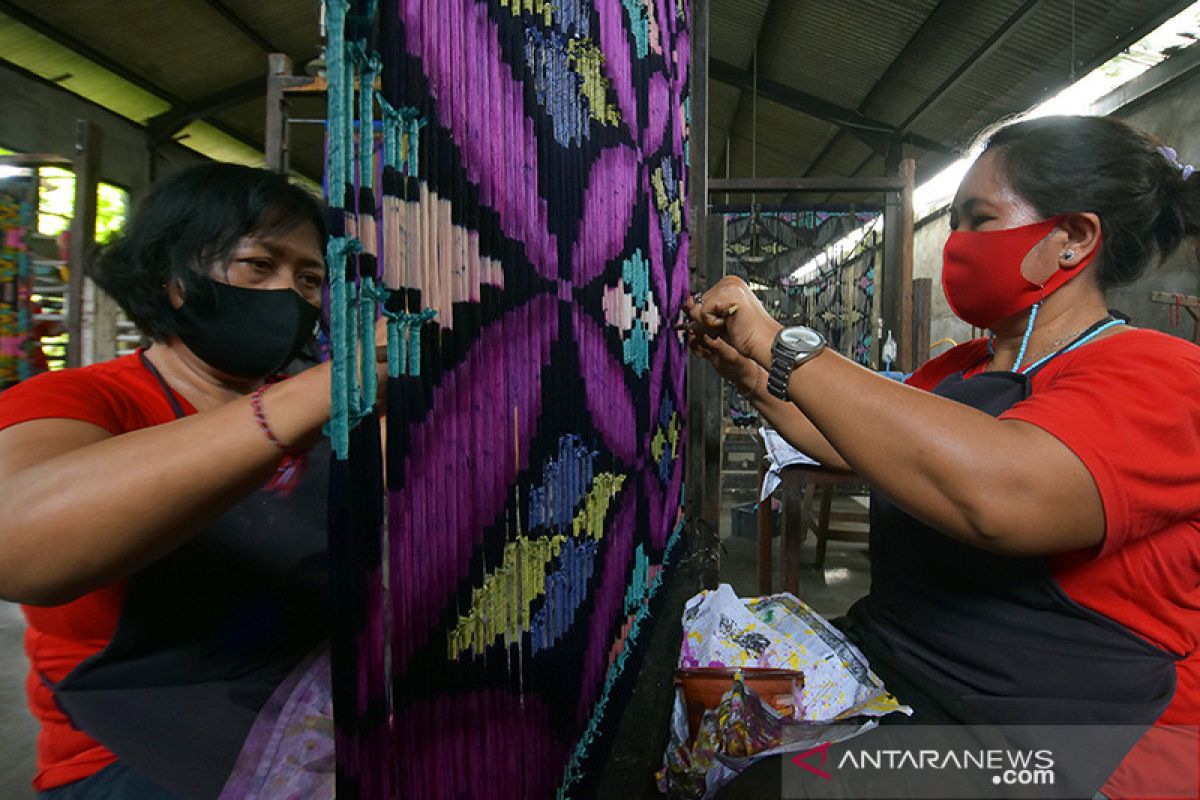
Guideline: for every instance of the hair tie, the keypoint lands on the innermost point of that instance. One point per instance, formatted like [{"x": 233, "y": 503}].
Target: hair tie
[{"x": 1185, "y": 170}]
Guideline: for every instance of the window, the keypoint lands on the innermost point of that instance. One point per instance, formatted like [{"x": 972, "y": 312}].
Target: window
[{"x": 56, "y": 204}]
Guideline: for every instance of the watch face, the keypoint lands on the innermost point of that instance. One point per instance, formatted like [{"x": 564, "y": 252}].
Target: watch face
[{"x": 800, "y": 338}]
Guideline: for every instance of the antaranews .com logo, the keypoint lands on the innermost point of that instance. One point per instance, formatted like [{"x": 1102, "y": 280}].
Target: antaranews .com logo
[
  {"x": 1007, "y": 767},
  {"x": 1055, "y": 762}
]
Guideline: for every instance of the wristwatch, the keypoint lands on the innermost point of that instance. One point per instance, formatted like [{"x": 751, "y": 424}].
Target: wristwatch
[{"x": 793, "y": 346}]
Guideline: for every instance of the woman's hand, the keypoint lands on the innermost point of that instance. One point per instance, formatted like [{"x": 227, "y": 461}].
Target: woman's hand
[
  {"x": 731, "y": 311},
  {"x": 745, "y": 375}
]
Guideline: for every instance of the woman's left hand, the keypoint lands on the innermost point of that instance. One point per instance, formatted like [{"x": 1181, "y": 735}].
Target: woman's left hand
[{"x": 731, "y": 311}]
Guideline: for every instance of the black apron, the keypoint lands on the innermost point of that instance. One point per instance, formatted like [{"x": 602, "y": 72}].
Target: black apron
[
  {"x": 206, "y": 633},
  {"x": 997, "y": 633}
]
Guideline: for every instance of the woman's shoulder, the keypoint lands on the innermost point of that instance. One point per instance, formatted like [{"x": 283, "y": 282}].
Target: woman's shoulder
[
  {"x": 109, "y": 394},
  {"x": 1155, "y": 368},
  {"x": 1151, "y": 341},
  {"x": 1141, "y": 348},
  {"x": 957, "y": 359}
]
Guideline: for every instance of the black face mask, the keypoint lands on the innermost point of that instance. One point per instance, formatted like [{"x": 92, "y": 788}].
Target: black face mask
[{"x": 250, "y": 333}]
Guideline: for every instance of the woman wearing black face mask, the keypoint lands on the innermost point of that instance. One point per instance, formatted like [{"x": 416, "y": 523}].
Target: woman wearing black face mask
[
  {"x": 1037, "y": 492},
  {"x": 155, "y": 518}
]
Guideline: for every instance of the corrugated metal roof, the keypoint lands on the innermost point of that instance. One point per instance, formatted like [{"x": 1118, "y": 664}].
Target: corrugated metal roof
[
  {"x": 52, "y": 61},
  {"x": 884, "y": 60},
  {"x": 141, "y": 58},
  {"x": 878, "y": 59},
  {"x": 838, "y": 53},
  {"x": 734, "y": 28}
]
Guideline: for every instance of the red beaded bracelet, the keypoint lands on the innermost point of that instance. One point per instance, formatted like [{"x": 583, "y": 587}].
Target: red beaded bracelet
[
  {"x": 261, "y": 418},
  {"x": 291, "y": 467}
]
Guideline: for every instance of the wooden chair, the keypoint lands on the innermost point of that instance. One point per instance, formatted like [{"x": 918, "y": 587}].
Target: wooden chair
[
  {"x": 821, "y": 524},
  {"x": 797, "y": 493}
]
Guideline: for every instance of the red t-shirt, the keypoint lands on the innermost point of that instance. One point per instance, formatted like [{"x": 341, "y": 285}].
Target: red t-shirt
[
  {"x": 119, "y": 396},
  {"x": 1128, "y": 406}
]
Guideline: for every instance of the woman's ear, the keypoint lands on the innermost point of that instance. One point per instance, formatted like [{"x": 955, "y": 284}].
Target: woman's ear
[
  {"x": 1082, "y": 231},
  {"x": 174, "y": 291}
]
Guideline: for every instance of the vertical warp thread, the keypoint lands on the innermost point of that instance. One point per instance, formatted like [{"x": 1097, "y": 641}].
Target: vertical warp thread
[{"x": 339, "y": 423}]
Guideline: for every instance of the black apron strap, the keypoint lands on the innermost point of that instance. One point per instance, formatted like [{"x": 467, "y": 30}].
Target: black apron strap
[
  {"x": 206, "y": 634},
  {"x": 167, "y": 391}
]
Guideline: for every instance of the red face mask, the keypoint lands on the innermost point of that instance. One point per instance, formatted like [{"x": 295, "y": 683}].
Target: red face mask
[{"x": 981, "y": 272}]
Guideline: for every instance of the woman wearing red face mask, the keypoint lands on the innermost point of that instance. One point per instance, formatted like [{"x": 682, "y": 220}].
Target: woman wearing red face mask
[
  {"x": 1035, "y": 533},
  {"x": 154, "y": 519}
]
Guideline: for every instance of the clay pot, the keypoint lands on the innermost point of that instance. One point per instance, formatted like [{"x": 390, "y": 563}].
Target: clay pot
[{"x": 703, "y": 688}]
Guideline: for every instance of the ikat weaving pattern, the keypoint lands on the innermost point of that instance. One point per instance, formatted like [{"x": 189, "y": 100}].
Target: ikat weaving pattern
[{"x": 528, "y": 242}]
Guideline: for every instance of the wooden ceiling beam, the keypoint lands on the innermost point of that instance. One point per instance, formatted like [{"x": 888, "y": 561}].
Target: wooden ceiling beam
[
  {"x": 168, "y": 123},
  {"x": 71, "y": 43},
  {"x": 989, "y": 46},
  {"x": 233, "y": 19},
  {"x": 875, "y": 133},
  {"x": 911, "y": 48}
]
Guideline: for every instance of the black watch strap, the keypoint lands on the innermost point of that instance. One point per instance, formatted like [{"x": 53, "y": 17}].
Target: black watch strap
[{"x": 778, "y": 377}]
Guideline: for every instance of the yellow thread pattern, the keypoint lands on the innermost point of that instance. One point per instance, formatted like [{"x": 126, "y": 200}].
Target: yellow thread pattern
[
  {"x": 542, "y": 8},
  {"x": 501, "y": 607},
  {"x": 588, "y": 62},
  {"x": 661, "y": 201},
  {"x": 662, "y": 438},
  {"x": 590, "y": 519}
]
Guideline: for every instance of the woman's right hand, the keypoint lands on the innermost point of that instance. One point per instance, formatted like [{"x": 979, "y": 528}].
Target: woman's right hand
[{"x": 730, "y": 310}]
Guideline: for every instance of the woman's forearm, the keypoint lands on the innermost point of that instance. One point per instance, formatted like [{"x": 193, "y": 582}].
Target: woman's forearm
[
  {"x": 1003, "y": 485},
  {"x": 790, "y": 423},
  {"x": 88, "y": 512}
]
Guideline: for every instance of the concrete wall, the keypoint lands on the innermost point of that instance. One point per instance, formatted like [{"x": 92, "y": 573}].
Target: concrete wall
[
  {"x": 39, "y": 117},
  {"x": 1170, "y": 115}
]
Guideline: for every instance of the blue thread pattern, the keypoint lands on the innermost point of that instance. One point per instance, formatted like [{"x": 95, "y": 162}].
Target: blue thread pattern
[
  {"x": 635, "y": 272},
  {"x": 559, "y": 89},
  {"x": 565, "y": 482},
  {"x": 667, "y": 416},
  {"x": 575, "y": 17},
  {"x": 639, "y": 582},
  {"x": 566, "y": 589},
  {"x": 667, "y": 214},
  {"x": 639, "y": 24}
]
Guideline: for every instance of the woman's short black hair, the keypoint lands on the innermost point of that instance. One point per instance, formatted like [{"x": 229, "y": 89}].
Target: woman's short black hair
[
  {"x": 186, "y": 224},
  {"x": 1063, "y": 164}
]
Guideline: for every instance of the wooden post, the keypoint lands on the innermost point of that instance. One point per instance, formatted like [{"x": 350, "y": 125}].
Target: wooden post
[
  {"x": 83, "y": 233},
  {"x": 904, "y": 337},
  {"x": 764, "y": 528},
  {"x": 796, "y": 497},
  {"x": 888, "y": 279},
  {"x": 279, "y": 69},
  {"x": 922, "y": 311},
  {"x": 703, "y": 477}
]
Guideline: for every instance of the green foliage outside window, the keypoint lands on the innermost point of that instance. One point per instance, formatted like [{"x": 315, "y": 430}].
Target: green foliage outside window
[{"x": 56, "y": 204}]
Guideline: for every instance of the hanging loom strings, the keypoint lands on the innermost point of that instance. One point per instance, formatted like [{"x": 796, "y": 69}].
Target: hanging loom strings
[
  {"x": 361, "y": 714},
  {"x": 452, "y": 262}
]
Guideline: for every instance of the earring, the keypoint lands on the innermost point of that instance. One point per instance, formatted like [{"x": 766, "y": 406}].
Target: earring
[{"x": 1068, "y": 255}]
